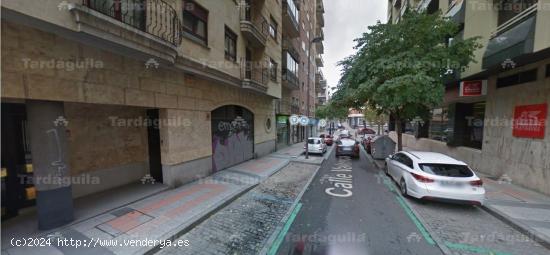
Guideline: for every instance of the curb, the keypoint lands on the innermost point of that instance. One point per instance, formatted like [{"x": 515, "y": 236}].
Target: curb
[
  {"x": 519, "y": 226},
  {"x": 439, "y": 243},
  {"x": 186, "y": 227},
  {"x": 271, "y": 240}
]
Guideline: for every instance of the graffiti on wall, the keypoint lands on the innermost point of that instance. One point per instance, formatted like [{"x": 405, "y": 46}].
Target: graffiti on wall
[{"x": 232, "y": 142}]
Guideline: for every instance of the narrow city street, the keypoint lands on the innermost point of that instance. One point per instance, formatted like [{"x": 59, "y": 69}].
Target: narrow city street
[
  {"x": 366, "y": 218},
  {"x": 370, "y": 217}
]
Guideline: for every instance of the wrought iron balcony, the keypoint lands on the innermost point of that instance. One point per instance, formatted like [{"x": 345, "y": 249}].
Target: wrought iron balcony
[
  {"x": 290, "y": 80},
  {"x": 254, "y": 76},
  {"x": 154, "y": 17},
  {"x": 254, "y": 27},
  {"x": 319, "y": 60}
]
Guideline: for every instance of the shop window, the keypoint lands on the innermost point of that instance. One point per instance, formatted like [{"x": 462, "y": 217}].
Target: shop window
[
  {"x": 519, "y": 78},
  {"x": 439, "y": 129},
  {"x": 465, "y": 125}
]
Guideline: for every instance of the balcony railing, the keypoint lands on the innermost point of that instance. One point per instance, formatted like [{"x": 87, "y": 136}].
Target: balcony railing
[
  {"x": 255, "y": 76},
  {"x": 290, "y": 79},
  {"x": 515, "y": 20},
  {"x": 154, "y": 17},
  {"x": 254, "y": 26}
]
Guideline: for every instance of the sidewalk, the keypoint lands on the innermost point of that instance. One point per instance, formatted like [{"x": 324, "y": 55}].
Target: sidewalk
[
  {"x": 525, "y": 210},
  {"x": 162, "y": 216}
]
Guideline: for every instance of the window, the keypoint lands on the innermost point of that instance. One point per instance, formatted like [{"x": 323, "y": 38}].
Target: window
[
  {"x": 404, "y": 159},
  {"x": 273, "y": 26},
  {"x": 447, "y": 170},
  {"x": 548, "y": 70},
  {"x": 273, "y": 69},
  {"x": 291, "y": 64},
  {"x": 195, "y": 21},
  {"x": 293, "y": 9},
  {"x": 230, "y": 45},
  {"x": 519, "y": 78}
]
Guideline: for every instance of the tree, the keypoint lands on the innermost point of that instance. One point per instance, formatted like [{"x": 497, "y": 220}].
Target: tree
[
  {"x": 375, "y": 117},
  {"x": 400, "y": 68}
]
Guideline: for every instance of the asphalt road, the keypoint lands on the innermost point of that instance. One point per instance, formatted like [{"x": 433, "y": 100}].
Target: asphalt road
[{"x": 369, "y": 220}]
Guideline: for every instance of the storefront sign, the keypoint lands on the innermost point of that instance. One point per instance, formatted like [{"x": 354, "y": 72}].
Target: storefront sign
[
  {"x": 473, "y": 88},
  {"x": 294, "y": 120},
  {"x": 281, "y": 119},
  {"x": 530, "y": 120},
  {"x": 304, "y": 120}
]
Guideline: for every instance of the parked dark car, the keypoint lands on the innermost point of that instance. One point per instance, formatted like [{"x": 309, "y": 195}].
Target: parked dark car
[{"x": 347, "y": 147}]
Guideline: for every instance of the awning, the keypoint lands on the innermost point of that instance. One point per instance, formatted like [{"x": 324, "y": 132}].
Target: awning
[
  {"x": 515, "y": 42},
  {"x": 456, "y": 13}
]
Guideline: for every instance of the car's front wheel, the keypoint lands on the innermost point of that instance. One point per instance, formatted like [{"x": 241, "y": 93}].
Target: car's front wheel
[
  {"x": 403, "y": 187},
  {"x": 386, "y": 169}
]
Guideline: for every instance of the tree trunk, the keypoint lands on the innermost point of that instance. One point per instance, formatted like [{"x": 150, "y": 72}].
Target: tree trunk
[{"x": 399, "y": 130}]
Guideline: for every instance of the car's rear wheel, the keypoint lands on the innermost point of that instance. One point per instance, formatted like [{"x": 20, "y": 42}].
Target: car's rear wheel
[{"x": 403, "y": 187}]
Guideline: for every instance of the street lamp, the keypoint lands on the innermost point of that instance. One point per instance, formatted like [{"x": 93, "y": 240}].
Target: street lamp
[{"x": 314, "y": 40}]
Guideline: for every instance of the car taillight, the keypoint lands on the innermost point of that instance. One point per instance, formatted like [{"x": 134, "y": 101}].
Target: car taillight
[
  {"x": 422, "y": 178},
  {"x": 477, "y": 183}
]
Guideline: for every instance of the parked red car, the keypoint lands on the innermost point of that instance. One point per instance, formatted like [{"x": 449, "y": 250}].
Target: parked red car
[
  {"x": 329, "y": 140},
  {"x": 367, "y": 131},
  {"x": 367, "y": 141}
]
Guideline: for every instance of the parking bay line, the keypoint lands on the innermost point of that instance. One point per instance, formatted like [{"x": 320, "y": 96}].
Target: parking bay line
[{"x": 275, "y": 247}]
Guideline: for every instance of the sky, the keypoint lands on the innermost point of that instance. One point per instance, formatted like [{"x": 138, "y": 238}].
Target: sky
[{"x": 346, "y": 20}]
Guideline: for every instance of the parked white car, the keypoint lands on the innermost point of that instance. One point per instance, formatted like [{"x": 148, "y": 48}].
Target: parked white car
[
  {"x": 435, "y": 176},
  {"x": 316, "y": 145}
]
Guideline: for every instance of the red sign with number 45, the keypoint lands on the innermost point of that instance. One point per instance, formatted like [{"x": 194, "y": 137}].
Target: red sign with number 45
[{"x": 530, "y": 120}]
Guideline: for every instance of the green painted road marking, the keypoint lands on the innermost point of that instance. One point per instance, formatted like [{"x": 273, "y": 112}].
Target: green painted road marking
[
  {"x": 469, "y": 248},
  {"x": 285, "y": 229},
  {"x": 415, "y": 220},
  {"x": 455, "y": 246}
]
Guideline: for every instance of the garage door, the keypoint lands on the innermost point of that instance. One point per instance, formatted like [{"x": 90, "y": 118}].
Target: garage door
[{"x": 232, "y": 136}]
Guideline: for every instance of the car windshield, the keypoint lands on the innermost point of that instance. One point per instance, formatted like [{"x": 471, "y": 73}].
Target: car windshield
[
  {"x": 447, "y": 170},
  {"x": 314, "y": 141},
  {"x": 348, "y": 142}
]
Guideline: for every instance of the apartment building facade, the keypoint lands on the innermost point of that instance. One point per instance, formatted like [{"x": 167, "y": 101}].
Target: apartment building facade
[
  {"x": 494, "y": 114},
  {"x": 303, "y": 20},
  {"x": 97, "y": 94}
]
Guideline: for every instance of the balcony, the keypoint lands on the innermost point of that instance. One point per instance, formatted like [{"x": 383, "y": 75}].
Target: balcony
[
  {"x": 146, "y": 28},
  {"x": 290, "y": 80},
  {"x": 254, "y": 77},
  {"x": 254, "y": 27},
  {"x": 512, "y": 39},
  {"x": 320, "y": 47},
  {"x": 320, "y": 12},
  {"x": 291, "y": 28},
  {"x": 319, "y": 60}
]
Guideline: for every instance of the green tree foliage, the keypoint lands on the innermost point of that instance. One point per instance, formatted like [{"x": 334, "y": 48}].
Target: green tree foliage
[{"x": 399, "y": 69}]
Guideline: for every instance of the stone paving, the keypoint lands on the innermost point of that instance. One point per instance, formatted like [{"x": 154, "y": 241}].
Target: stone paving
[
  {"x": 471, "y": 230},
  {"x": 244, "y": 226},
  {"x": 132, "y": 229}
]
